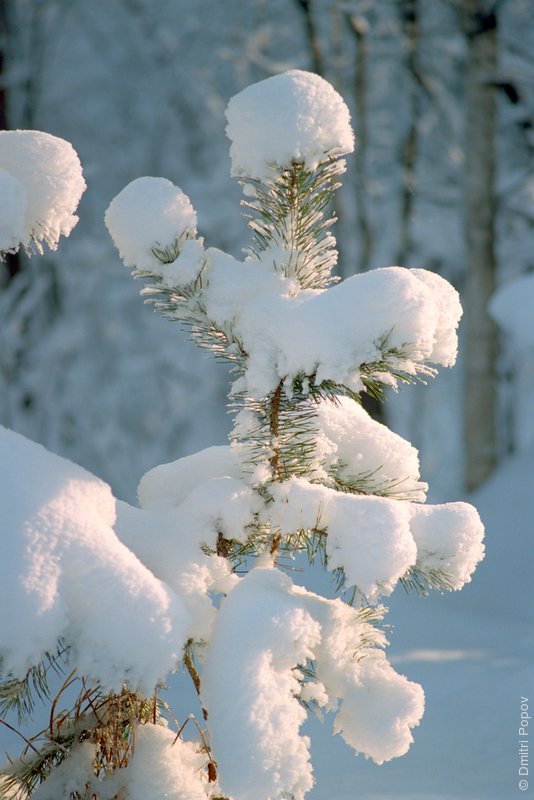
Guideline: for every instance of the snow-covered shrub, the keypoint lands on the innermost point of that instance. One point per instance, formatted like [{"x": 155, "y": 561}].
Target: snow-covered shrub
[{"x": 198, "y": 573}]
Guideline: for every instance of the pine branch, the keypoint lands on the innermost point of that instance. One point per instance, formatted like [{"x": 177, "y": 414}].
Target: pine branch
[
  {"x": 422, "y": 580},
  {"x": 291, "y": 214},
  {"x": 20, "y": 694}
]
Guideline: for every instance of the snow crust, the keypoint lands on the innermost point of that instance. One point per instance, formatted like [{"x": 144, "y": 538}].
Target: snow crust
[
  {"x": 38, "y": 204},
  {"x": 68, "y": 576},
  {"x": 294, "y": 116},
  {"x": 150, "y": 213}
]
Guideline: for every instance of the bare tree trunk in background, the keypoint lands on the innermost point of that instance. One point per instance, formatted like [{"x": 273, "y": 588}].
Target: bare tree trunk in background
[
  {"x": 410, "y": 25},
  {"x": 358, "y": 28},
  {"x": 312, "y": 36},
  {"x": 480, "y": 25},
  {"x": 12, "y": 261}
]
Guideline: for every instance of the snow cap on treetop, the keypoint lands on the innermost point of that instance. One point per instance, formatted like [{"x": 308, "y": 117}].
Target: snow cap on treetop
[
  {"x": 149, "y": 213},
  {"x": 39, "y": 203},
  {"x": 294, "y": 116}
]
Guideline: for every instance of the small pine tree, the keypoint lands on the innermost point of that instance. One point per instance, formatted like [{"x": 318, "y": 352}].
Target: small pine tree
[{"x": 307, "y": 474}]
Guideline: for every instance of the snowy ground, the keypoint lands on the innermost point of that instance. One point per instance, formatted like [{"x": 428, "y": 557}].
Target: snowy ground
[{"x": 473, "y": 653}]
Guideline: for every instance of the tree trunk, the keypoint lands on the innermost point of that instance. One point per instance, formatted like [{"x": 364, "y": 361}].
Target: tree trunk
[
  {"x": 12, "y": 261},
  {"x": 481, "y": 334}
]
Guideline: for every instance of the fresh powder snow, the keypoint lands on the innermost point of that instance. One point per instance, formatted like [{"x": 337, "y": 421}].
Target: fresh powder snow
[
  {"x": 49, "y": 171},
  {"x": 70, "y": 578},
  {"x": 149, "y": 213},
  {"x": 295, "y": 116}
]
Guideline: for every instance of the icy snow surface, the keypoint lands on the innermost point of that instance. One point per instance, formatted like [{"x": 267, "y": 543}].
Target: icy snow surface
[
  {"x": 67, "y": 575},
  {"x": 48, "y": 169},
  {"x": 294, "y": 116},
  {"x": 149, "y": 213}
]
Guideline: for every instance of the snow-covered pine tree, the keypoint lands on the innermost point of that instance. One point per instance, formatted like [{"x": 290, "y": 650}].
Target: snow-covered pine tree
[{"x": 199, "y": 573}]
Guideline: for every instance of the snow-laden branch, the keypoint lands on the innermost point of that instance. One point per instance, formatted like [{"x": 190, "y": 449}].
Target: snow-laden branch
[{"x": 40, "y": 187}]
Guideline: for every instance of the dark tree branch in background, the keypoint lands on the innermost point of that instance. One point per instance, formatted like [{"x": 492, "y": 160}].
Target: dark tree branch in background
[
  {"x": 312, "y": 35},
  {"x": 12, "y": 262},
  {"x": 410, "y": 24},
  {"x": 358, "y": 27}
]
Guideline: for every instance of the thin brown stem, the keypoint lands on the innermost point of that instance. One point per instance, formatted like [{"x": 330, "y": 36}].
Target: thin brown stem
[{"x": 274, "y": 428}]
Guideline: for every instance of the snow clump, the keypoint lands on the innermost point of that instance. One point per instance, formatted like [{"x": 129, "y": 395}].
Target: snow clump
[
  {"x": 295, "y": 116},
  {"x": 70, "y": 578},
  {"x": 152, "y": 214},
  {"x": 38, "y": 205}
]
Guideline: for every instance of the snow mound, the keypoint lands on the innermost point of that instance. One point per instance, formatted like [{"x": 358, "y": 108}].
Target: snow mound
[
  {"x": 294, "y": 116},
  {"x": 149, "y": 213},
  {"x": 49, "y": 171},
  {"x": 163, "y": 767},
  {"x": 69, "y": 577}
]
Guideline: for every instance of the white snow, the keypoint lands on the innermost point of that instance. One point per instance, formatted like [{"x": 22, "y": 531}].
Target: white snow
[
  {"x": 357, "y": 446},
  {"x": 150, "y": 213},
  {"x": 267, "y": 627},
  {"x": 449, "y": 311},
  {"x": 249, "y": 689},
  {"x": 163, "y": 766},
  {"x": 169, "y": 484},
  {"x": 331, "y": 333},
  {"x": 368, "y": 536},
  {"x": 68, "y": 576},
  {"x": 12, "y": 212},
  {"x": 378, "y": 707},
  {"x": 294, "y": 116},
  {"x": 449, "y": 537},
  {"x": 75, "y": 771},
  {"x": 169, "y": 543},
  {"x": 50, "y": 173}
]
